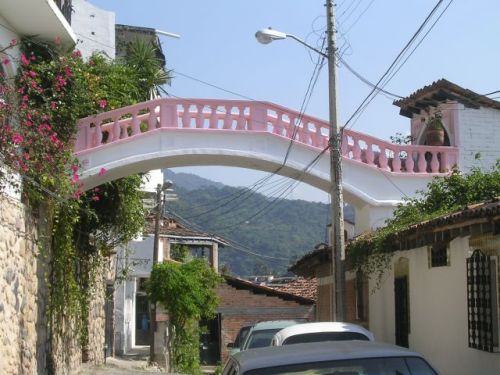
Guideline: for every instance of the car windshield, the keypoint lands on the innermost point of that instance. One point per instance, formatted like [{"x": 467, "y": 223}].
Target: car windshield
[
  {"x": 259, "y": 339},
  {"x": 324, "y": 336},
  {"x": 240, "y": 339},
  {"x": 367, "y": 366}
]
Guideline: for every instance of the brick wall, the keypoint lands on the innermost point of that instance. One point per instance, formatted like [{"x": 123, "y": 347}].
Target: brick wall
[{"x": 240, "y": 307}]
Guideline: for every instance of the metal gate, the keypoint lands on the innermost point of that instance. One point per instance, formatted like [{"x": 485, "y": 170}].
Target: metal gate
[{"x": 480, "y": 304}]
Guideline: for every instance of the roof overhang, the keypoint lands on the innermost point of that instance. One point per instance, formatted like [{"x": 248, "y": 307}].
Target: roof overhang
[{"x": 40, "y": 19}]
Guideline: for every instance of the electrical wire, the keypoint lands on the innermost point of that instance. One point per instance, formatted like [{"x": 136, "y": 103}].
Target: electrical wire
[{"x": 374, "y": 91}]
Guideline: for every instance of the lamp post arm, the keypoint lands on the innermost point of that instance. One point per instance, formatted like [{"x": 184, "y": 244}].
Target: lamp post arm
[{"x": 307, "y": 45}]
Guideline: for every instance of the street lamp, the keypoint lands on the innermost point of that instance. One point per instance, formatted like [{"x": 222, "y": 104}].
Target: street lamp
[{"x": 266, "y": 36}]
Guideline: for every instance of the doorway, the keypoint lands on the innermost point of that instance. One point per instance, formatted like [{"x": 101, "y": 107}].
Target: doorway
[{"x": 210, "y": 333}]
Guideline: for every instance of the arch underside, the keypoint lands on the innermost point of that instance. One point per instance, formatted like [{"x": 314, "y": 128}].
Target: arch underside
[{"x": 169, "y": 148}]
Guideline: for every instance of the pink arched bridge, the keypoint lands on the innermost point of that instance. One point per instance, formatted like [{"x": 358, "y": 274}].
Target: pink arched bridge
[{"x": 185, "y": 132}]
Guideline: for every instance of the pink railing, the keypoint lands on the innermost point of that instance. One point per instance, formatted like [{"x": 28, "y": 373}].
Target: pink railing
[{"x": 252, "y": 116}]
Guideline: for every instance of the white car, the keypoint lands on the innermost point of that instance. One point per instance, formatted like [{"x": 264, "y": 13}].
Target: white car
[
  {"x": 321, "y": 331},
  {"x": 328, "y": 358}
]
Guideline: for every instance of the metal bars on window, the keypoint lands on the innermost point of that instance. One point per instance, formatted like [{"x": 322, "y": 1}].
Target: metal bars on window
[{"x": 480, "y": 302}]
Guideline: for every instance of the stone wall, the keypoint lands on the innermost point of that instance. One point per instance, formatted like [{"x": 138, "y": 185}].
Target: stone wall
[
  {"x": 22, "y": 319},
  {"x": 24, "y": 336}
]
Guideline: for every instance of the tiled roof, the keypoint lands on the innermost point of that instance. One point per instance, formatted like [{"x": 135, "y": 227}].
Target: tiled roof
[
  {"x": 438, "y": 92},
  {"x": 301, "y": 286},
  {"x": 266, "y": 290},
  {"x": 322, "y": 253},
  {"x": 475, "y": 219},
  {"x": 171, "y": 228}
]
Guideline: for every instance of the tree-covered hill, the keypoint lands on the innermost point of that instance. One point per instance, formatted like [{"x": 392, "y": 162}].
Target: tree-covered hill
[{"x": 287, "y": 229}]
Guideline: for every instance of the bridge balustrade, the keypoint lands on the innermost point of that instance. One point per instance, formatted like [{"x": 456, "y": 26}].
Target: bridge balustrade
[{"x": 253, "y": 116}]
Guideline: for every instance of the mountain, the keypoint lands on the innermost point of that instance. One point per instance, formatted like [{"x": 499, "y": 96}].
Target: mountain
[
  {"x": 279, "y": 230},
  {"x": 189, "y": 181}
]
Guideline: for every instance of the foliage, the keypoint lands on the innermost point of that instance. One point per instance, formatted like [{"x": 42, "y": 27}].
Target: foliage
[
  {"x": 372, "y": 252},
  {"x": 435, "y": 122},
  {"x": 401, "y": 139},
  {"x": 179, "y": 252},
  {"x": 52, "y": 90},
  {"x": 287, "y": 229},
  {"x": 187, "y": 292}
]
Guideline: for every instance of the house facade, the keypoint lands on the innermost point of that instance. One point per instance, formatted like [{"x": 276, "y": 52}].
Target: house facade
[
  {"x": 134, "y": 264},
  {"x": 440, "y": 296}
]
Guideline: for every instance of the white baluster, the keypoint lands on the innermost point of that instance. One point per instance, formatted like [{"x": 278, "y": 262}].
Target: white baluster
[
  {"x": 213, "y": 123},
  {"x": 152, "y": 118},
  {"x": 278, "y": 127},
  {"x": 344, "y": 147},
  {"x": 434, "y": 163},
  {"x": 186, "y": 118},
  {"x": 136, "y": 124},
  {"x": 422, "y": 163},
  {"x": 199, "y": 116},
  {"x": 98, "y": 134},
  {"x": 382, "y": 159},
  {"x": 228, "y": 118},
  {"x": 240, "y": 124},
  {"x": 116, "y": 128},
  {"x": 356, "y": 150},
  {"x": 370, "y": 156},
  {"x": 409, "y": 164},
  {"x": 396, "y": 161}
]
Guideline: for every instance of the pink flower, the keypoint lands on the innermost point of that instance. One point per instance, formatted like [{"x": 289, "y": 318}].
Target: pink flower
[
  {"x": 5, "y": 61},
  {"x": 96, "y": 189},
  {"x": 75, "y": 178},
  {"x": 53, "y": 105},
  {"x": 75, "y": 168},
  {"x": 68, "y": 72},
  {"x": 24, "y": 59},
  {"x": 13, "y": 42},
  {"x": 32, "y": 73},
  {"x": 17, "y": 138},
  {"x": 103, "y": 103},
  {"x": 77, "y": 194},
  {"x": 76, "y": 53},
  {"x": 95, "y": 198},
  {"x": 102, "y": 172}
]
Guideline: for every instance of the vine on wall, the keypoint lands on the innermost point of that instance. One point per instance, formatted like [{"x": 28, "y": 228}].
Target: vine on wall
[
  {"x": 39, "y": 112},
  {"x": 372, "y": 252}
]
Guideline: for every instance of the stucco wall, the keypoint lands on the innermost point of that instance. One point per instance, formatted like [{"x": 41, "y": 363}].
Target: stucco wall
[
  {"x": 479, "y": 132},
  {"x": 94, "y": 28},
  {"x": 438, "y": 312}
]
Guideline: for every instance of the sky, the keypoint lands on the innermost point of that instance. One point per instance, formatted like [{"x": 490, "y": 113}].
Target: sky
[{"x": 218, "y": 46}]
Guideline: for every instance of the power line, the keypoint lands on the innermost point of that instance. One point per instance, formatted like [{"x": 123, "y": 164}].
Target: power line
[{"x": 393, "y": 64}]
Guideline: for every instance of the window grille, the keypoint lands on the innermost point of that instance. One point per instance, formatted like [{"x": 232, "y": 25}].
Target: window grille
[
  {"x": 439, "y": 255},
  {"x": 482, "y": 302}
]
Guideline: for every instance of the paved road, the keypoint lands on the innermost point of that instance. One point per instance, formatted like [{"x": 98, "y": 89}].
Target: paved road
[{"x": 119, "y": 366}]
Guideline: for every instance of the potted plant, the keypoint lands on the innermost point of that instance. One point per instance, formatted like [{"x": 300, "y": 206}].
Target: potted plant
[{"x": 434, "y": 131}]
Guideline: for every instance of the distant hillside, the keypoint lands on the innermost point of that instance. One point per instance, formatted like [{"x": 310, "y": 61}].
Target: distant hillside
[
  {"x": 189, "y": 181},
  {"x": 287, "y": 229}
]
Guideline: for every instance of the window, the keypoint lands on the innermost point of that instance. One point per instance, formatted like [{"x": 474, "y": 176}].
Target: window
[
  {"x": 482, "y": 301},
  {"x": 439, "y": 255},
  {"x": 324, "y": 336}
]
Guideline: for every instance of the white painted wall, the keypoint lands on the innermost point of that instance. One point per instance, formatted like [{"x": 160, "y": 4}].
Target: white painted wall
[
  {"x": 94, "y": 29},
  {"x": 479, "y": 132},
  {"x": 438, "y": 313}
]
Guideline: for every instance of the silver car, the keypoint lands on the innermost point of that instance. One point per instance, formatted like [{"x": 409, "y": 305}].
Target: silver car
[{"x": 329, "y": 358}]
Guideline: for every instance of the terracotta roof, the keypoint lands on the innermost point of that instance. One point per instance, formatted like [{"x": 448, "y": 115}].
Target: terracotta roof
[
  {"x": 171, "y": 228},
  {"x": 305, "y": 266},
  {"x": 262, "y": 289},
  {"x": 474, "y": 219},
  {"x": 438, "y": 92},
  {"x": 301, "y": 286}
]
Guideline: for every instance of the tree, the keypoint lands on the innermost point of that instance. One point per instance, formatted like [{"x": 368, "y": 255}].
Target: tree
[{"x": 187, "y": 292}]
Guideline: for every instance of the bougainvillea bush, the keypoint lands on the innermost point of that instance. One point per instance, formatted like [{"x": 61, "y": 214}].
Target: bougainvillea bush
[{"x": 39, "y": 110}]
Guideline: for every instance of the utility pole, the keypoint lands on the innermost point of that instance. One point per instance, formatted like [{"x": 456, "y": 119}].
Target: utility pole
[
  {"x": 152, "y": 320},
  {"x": 337, "y": 200}
]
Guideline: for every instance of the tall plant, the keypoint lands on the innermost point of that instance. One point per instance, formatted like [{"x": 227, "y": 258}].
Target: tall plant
[{"x": 187, "y": 291}]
